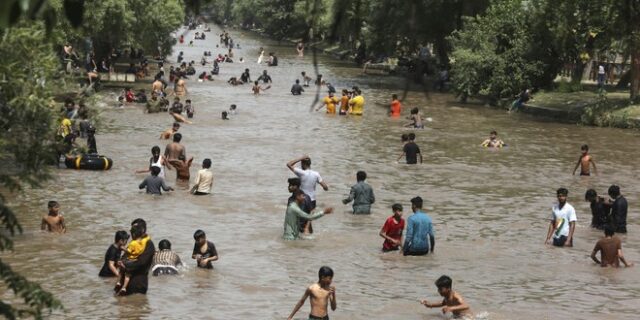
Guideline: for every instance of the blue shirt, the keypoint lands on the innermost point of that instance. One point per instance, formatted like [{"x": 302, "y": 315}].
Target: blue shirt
[{"x": 419, "y": 232}]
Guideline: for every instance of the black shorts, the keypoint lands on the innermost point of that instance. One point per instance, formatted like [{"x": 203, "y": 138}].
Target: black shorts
[
  {"x": 560, "y": 241},
  {"x": 198, "y": 193},
  {"x": 416, "y": 253},
  {"x": 312, "y": 317}
]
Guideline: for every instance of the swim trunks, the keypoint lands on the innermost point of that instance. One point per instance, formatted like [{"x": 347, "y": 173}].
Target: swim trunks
[
  {"x": 559, "y": 241},
  {"x": 585, "y": 173},
  {"x": 312, "y": 317}
]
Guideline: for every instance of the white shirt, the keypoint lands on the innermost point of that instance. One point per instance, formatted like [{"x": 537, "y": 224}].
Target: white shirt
[
  {"x": 308, "y": 181},
  {"x": 562, "y": 217},
  {"x": 600, "y": 69},
  {"x": 204, "y": 180}
]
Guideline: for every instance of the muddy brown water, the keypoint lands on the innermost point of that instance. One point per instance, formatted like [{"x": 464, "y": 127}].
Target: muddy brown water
[{"x": 489, "y": 208}]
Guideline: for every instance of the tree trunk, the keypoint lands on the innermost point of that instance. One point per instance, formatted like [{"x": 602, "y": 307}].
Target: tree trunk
[{"x": 635, "y": 74}]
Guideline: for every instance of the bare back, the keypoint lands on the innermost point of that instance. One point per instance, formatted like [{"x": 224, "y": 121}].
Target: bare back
[
  {"x": 455, "y": 301},
  {"x": 173, "y": 151}
]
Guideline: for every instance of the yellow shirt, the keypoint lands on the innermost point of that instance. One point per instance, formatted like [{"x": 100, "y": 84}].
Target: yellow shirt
[
  {"x": 331, "y": 104},
  {"x": 65, "y": 127},
  {"x": 136, "y": 247},
  {"x": 357, "y": 105}
]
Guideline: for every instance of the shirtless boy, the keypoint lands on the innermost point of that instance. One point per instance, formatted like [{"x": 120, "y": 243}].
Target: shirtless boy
[
  {"x": 167, "y": 134},
  {"x": 452, "y": 301},
  {"x": 257, "y": 88},
  {"x": 173, "y": 150},
  {"x": 182, "y": 166},
  {"x": 493, "y": 141},
  {"x": 53, "y": 221},
  {"x": 610, "y": 248},
  {"x": 416, "y": 119},
  {"x": 320, "y": 294},
  {"x": 584, "y": 162}
]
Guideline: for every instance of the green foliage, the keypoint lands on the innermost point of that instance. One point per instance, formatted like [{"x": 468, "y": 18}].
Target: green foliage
[
  {"x": 153, "y": 23},
  {"x": 27, "y": 73},
  {"x": 568, "y": 87},
  {"x": 603, "y": 113},
  {"x": 494, "y": 55}
]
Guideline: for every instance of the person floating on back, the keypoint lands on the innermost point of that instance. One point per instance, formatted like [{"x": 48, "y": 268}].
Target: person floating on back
[
  {"x": 610, "y": 248},
  {"x": 53, "y": 221},
  {"x": 392, "y": 230},
  {"x": 411, "y": 150},
  {"x": 493, "y": 141},
  {"x": 320, "y": 294},
  {"x": 361, "y": 194},
  {"x": 584, "y": 162},
  {"x": 452, "y": 301},
  {"x": 563, "y": 221}
]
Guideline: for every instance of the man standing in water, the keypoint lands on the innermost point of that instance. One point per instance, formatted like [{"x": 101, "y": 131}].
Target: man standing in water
[
  {"x": 420, "y": 238},
  {"x": 308, "y": 180},
  {"x": 139, "y": 268},
  {"x": 356, "y": 104},
  {"x": 618, "y": 209},
  {"x": 361, "y": 194},
  {"x": 174, "y": 150},
  {"x": 563, "y": 221},
  {"x": 294, "y": 184},
  {"x": 294, "y": 213},
  {"x": 610, "y": 248}
]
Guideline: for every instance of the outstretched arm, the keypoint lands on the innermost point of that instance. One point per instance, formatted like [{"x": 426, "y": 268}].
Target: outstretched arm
[{"x": 299, "y": 304}]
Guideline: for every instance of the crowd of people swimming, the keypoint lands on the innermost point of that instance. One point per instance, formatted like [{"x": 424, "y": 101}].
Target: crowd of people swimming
[{"x": 133, "y": 254}]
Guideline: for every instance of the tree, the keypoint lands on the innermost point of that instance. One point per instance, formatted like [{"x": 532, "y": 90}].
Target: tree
[{"x": 28, "y": 71}]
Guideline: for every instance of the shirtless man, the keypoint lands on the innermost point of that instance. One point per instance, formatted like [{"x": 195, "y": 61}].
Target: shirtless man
[
  {"x": 157, "y": 87},
  {"x": 320, "y": 294},
  {"x": 174, "y": 150},
  {"x": 167, "y": 134},
  {"x": 180, "y": 87},
  {"x": 182, "y": 166},
  {"x": 452, "y": 301},
  {"x": 584, "y": 162},
  {"x": 610, "y": 248},
  {"x": 493, "y": 141},
  {"x": 257, "y": 88},
  {"x": 53, "y": 221}
]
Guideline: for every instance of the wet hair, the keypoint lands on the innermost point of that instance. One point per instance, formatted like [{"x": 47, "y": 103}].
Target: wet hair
[
  {"x": 224, "y": 115},
  {"x": 232, "y": 107},
  {"x": 188, "y": 101},
  {"x": 609, "y": 230},
  {"x": 255, "y": 82},
  {"x": 121, "y": 235},
  {"x": 206, "y": 163},
  {"x": 52, "y": 204},
  {"x": 176, "y": 124},
  {"x": 412, "y": 136},
  {"x": 136, "y": 231},
  {"x": 303, "y": 73},
  {"x": 361, "y": 175},
  {"x": 325, "y": 272},
  {"x": 155, "y": 170},
  {"x": 444, "y": 282},
  {"x": 345, "y": 91},
  {"x": 164, "y": 244},
  {"x": 614, "y": 191},
  {"x": 155, "y": 149},
  {"x": 140, "y": 223},
  {"x": 177, "y": 137},
  {"x": 306, "y": 162},
  {"x": 417, "y": 202},
  {"x": 493, "y": 132},
  {"x": 297, "y": 193},
  {"x": 562, "y": 191},
  {"x": 404, "y": 137},
  {"x": 396, "y": 207},
  {"x": 394, "y": 96},
  {"x": 590, "y": 194},
  {"x": 199, "y": 234},
  {"x": 294, "y": 181},
  {"x": 415, "y": 111},
  {"x": 584, "y": 147},
  {"x": 297, "y": 81}
]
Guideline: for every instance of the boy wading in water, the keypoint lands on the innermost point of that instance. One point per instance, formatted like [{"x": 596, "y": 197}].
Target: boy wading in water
[
  {"x": 53, "y": 221},
  {"x": 584, "y": 162},
  {"x": 610, "y": 248},
  {"x": 563, "y": 221},
  {"x": 452, "y": 301},
  {"x": 320, "y": 294}
]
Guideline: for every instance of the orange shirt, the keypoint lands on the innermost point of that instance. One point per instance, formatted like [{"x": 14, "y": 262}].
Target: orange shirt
[
  {"x": 344, "y": 104},
  {"x": 396, "y": 108}
]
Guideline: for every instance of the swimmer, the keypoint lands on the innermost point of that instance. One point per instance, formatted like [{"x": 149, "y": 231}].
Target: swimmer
[
  {"x": 330, "y": 101},
  {"x": 232, "y": 109},
  {"x": 204, "y": 252},
  {"x": 319, "y": 294},
  {"x": 167, "y": 134},
  {"x": 452, "y": 301},
  {"x": 179, "y": 118},
  {"x": 416, "y": 119},
  {"x": 53, "y": 221},
  {"x": 584, "y": 162},
  {"x": 225, "y": 115},
  {"x": 396, "y": 106},
  {"x": 182, "y": 166},
  {"x": 493, "y": 141},
  {"x": 305, "y": 79},
  {"x": 257, "y": 88}
]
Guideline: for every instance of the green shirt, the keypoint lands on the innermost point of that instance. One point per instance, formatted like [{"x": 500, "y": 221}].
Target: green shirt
[{"x": 291, "y": 220}]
